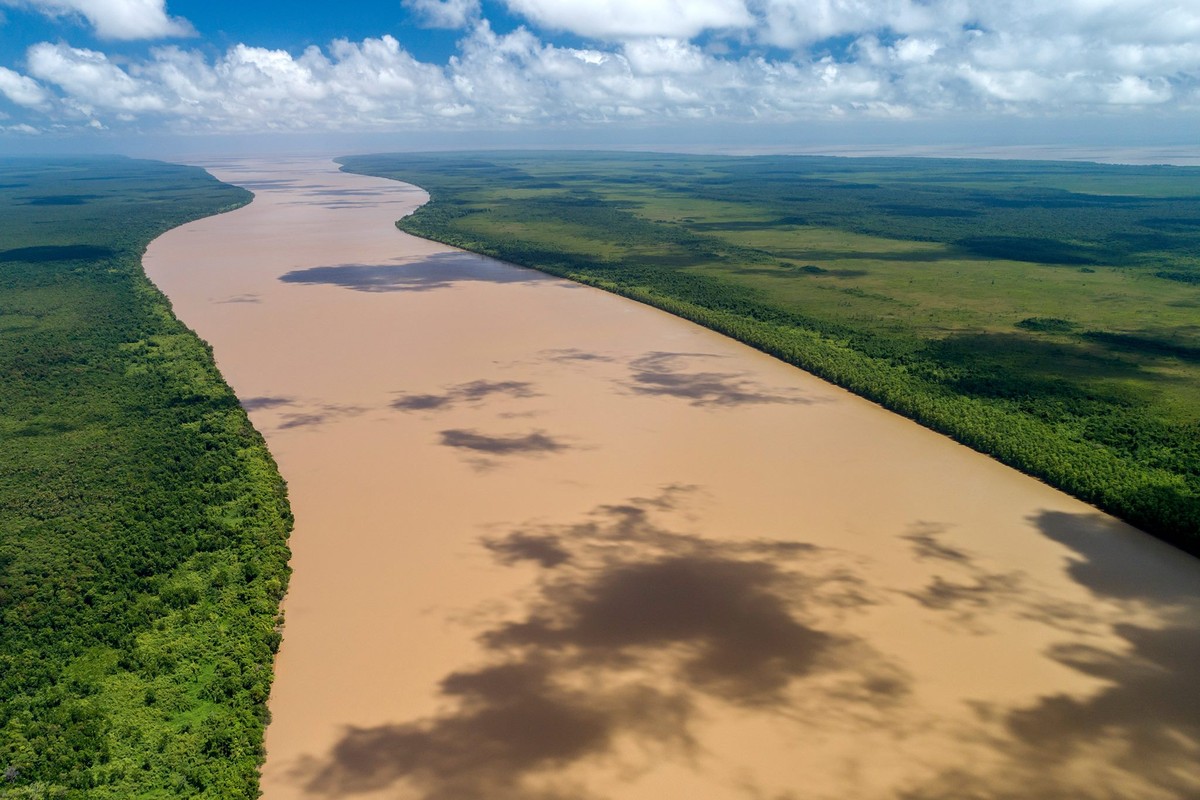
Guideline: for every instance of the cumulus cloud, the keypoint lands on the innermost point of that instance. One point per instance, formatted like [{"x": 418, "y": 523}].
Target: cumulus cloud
[
  {"x": 22, "y": 90},
  {"x": 116, "y": 19},
  {"x": 895, "y": 58},
  {"x": 444, "y": 13},
  {"x": 89, "y": 80},
  {"x": 620, "y": 19},
  {"x": 793, "y": 23}
]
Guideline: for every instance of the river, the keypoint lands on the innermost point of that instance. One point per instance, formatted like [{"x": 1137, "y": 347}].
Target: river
[{"x": 551, "y": 544}]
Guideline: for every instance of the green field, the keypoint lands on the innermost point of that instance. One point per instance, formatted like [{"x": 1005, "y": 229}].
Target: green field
[
  {"x": 143, "y": 523},
  {"x": 1045, "y": 313}
]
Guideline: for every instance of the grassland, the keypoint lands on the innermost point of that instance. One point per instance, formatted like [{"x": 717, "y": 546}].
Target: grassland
[
  {"x": 143, "y": 524},
  {"x": 1045, "y": 313}
]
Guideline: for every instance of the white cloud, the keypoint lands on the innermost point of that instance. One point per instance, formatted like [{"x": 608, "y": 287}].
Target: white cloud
[
  {"x": 798, "y": 23},
  {"x": 22, "y": 90},
  {"x": 116, "y": 19},
  {"x": 899, "y": 58},
  {"x": 444, "y": 13},
  {"x": 661, "y": 55},
  {"x": 622, "y": 19},
  {"x": 1129, "y": 90},
  {"x": 795, "y": 23},
  {"x": 90, "y": 81}
]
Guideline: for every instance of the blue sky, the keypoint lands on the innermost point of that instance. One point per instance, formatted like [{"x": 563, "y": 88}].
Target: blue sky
[{"x": 752, "y": 73}]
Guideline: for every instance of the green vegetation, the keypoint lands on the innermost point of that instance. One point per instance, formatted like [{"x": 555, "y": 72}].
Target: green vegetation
[
  {"x": 1045, "y": 313},
  {"x": 143, "y": 523}
]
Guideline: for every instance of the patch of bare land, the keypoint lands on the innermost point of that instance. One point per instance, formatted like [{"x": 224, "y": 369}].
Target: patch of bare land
[{"x": 553, "y": 544}]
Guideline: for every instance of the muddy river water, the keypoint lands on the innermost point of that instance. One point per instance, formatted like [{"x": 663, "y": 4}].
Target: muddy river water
[{"x": 551, "y": 544}]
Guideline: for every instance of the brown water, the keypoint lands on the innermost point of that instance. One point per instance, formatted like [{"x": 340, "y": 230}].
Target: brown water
[{"x": 553, "y": 544}]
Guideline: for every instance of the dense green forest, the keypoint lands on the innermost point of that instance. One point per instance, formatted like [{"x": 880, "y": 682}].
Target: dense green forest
[
  {"x": 143, "y": 524},
  {"x": 1045, "y": 313}
]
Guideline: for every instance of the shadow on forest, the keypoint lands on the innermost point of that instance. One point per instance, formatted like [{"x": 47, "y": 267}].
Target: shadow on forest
[
  {"x": 849, "y": 254},
  {"x": 743, "y": 225},
  {"x": 902, "y": 210},
  {"x": 1171, "y": 224},
  {"x": 630, "y": 626},
  {"x": 1032, "y": 249},
  {"x": 66, "y": 252},
  {"x": 1016, "y": 364},
  {"x": 1146, "y": 344},
  {"x": 438, "y": 271},
  {"x": 61, "y": 199},
  {"x": 810, "y": 270}
]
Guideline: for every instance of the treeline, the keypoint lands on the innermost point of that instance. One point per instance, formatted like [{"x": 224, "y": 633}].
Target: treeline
[
  {"x": 143, "y": 523},
  {"x": 1062, "y": 402}
]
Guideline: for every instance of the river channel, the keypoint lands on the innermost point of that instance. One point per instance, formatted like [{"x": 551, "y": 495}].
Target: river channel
[{"x": 551, "y": 544}]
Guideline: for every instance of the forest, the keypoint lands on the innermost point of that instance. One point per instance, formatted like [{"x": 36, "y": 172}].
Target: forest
[
  {"x": 1044, "y": 313},
  {"x": 143, "y": 523}
]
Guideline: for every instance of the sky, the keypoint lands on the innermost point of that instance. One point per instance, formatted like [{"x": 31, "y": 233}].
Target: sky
[{"x": 695, "y": 74}]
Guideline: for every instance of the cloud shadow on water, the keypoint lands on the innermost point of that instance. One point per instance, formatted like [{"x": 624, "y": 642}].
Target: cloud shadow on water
[
  {"x": 533, "y": 443},
  {"x": 476, "y": 391},
  {"x": 630, "y": 627},
  {"x": 514, "y": 722},
  {"x": 1147, "y": 717},
  {"x": 743, "y": 643},
  {"x": 321, "y": 191},
  {"x": 573, "y": 354},
  {"x": 927, "y": 544},
  {"x": 422, "y": 402},
  {"x": 1150, "y": 707},
  {"x": 261, "y": 184},
  {"x": 967, "y": 593},
  {"x": 473, "y": 392},
  {"x": 319, "y": 416},
  {"x": 1114, "y": 560},
  {"x": 437, "y": 271},
  {"x": 256, "y": 403},
  {"x": 1138, "y": 733},
  {"x": 664, "y": 374},
  {"x": 546, "y": 550}
]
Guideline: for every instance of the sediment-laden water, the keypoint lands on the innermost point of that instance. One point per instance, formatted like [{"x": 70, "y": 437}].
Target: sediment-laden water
[{"x": 554, "y": 544}]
